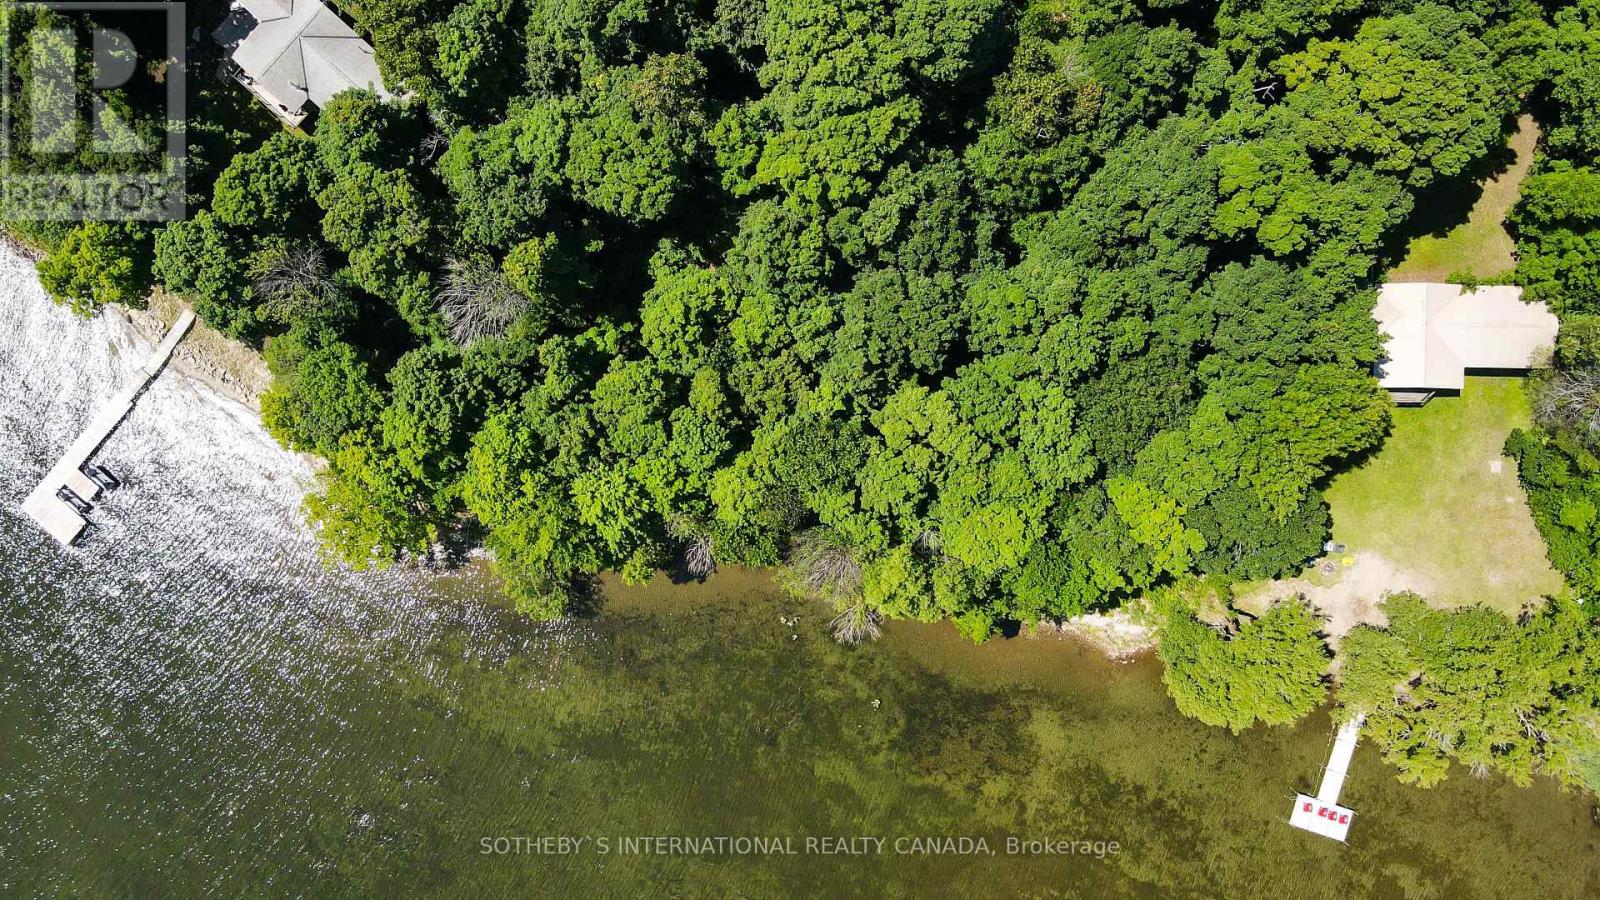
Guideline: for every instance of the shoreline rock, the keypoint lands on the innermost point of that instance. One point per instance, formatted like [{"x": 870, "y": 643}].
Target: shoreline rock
[
  {"x": 222, "y": 364},
  {"x": 1119, "y": 634}
]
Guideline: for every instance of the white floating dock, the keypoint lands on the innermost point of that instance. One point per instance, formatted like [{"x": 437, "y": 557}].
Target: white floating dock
[
  {"x": 1322, "y": 814},
  {"x": 59, "y": 518}
]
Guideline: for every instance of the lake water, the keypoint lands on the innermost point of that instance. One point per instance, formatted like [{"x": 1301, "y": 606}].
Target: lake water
[{"x": 190, "y": 703}]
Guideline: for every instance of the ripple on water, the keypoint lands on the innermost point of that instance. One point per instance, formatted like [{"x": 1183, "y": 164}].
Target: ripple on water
[
  {"x": 196, "y": 630},
  {"x": 192, "y": 704}
]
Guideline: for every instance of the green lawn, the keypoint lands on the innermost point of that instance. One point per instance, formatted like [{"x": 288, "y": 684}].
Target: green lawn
[
  {"x": 1479, "y": 245},
  {"x": 1431, "y": 503}
]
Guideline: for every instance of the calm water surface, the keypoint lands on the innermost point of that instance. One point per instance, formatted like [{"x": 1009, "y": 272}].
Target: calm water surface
[{"x": 191, "y": 704}]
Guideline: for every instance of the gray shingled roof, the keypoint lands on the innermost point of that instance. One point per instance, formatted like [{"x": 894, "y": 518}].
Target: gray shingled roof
[{"x": 300, "y": 50}]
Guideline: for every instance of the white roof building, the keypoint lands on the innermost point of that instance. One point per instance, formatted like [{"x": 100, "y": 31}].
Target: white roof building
[
  {"x": 293, "y": 52},
  {"x": 1435, "y": 332}
]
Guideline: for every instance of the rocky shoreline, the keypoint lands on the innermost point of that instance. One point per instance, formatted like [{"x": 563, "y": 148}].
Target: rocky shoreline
[
  {"x": 1118, "y": 633},
  {"x": 222, "y": 364}
]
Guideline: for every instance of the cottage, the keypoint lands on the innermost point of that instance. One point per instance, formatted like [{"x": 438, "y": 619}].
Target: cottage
[
  {"x": 1434, "y": 333},
  {"x": 295, "y": 54}
]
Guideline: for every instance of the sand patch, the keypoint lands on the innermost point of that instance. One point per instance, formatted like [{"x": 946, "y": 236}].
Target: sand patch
[
  {"x": 223, "y": 364},
  {"x": 1118, "y": 634},
  {"x": 1345, "y": 596}
]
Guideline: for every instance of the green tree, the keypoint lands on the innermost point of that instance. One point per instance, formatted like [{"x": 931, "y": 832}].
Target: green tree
[
  {"x": 1573, "y": 67},
  {"x": 474, "y": 47},
  {"x": 430, "y": 416},
  {"x": 632, "y": 147},
  {"x": 1416, "y": 94},
  {"x": 1270, "y": 670},
  {"x": 208, "y": 262},
  {"x": 368, "y": 509},
  {"x": 376, "y": 217},
  {"x": 321, "y": 391},
  {"x": 504, "y": 178},
  {"x": 98, "y": 264},
  {"x": 1557, "y": 226},
  {"x": 1244, "y": 540},
  {"x": 272, "y": 189},
  {"x": 836, "y": 108},
  {"x": 1473, "y": 686}
]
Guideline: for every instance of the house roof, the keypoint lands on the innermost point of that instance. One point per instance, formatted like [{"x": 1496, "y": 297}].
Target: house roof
[
  {"x": 299, "y": 50},
  {"x": 1435, "y": 332}
]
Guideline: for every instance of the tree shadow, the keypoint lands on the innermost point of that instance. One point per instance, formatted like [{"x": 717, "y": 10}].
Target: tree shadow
[
  {"x": 456, "y": 545},
  {"x": 585, "y": 598},
  {"x": 1358, "y": 459},
  {"x": 1448, "y": 202},
  {"x": 680, "y": 574}
]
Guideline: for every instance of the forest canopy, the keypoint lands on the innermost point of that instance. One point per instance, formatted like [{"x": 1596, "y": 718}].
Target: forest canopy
[{"x": 1000, "y": 310}]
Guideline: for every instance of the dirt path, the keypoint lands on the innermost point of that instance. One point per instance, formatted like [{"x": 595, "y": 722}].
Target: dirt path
[
  {"x": 1347, "y": 596},
  {"x": 1479, "y": 245}
]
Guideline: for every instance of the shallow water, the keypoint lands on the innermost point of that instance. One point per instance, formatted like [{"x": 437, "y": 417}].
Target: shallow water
[{"x": 190, "y": 703}]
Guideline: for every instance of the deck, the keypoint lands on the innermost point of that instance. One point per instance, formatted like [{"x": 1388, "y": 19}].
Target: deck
[
  {"x": 1322, "y": 814},
  {"x": 44, "y": 505}
]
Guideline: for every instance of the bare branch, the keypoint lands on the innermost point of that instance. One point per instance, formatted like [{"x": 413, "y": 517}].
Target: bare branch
[
  {"x": 477, "y": 301},
  {"x": 293, "y": 281},
  {"x": 1571, "y": 400},
  {"x": 699, "y": 554},
  {"x": 432, "y": 144}
]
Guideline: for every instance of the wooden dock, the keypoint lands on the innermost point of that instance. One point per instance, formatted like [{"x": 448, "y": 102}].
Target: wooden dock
[
  {"x": 1322, "y": 814},
  {"x": 59, "y": 517}
]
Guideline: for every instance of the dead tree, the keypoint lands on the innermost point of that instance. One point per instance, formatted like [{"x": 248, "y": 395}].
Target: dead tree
[
  {"x": 856, "y": 623},
  {"x": 699, "y": 552},
  {"x": 293, "y": 281},
  {"x": 825, "y": 568},
  {"x": 478, "y": 301},
  {"x": 1571, "y": 400}
]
